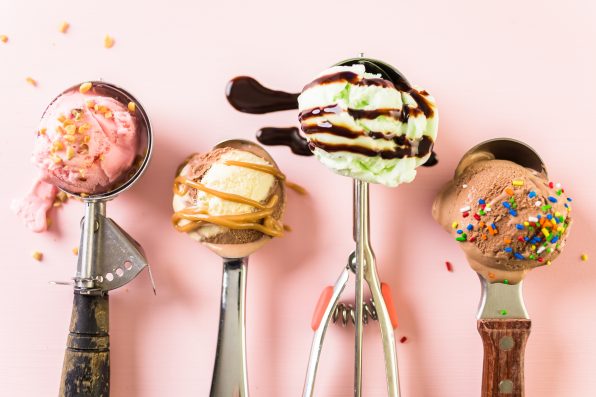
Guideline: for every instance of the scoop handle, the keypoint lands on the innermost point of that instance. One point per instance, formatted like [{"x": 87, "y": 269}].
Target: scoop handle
[
  {"x": 86, "y": 369},
  {"x": 504, "y": 343},
  {"x": 229, "y": 372}
]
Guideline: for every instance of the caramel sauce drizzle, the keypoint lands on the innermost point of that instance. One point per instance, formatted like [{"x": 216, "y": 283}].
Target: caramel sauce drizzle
[{"x": 198, "y": 217}]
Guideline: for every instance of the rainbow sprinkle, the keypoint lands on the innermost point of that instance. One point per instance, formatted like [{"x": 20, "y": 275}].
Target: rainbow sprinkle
[{"x": 530, "y": 239}]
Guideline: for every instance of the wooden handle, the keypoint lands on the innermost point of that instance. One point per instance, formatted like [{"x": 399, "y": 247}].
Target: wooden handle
[
  {"x": 86, "y": 370},
  {"x": 504, "y": 345}
]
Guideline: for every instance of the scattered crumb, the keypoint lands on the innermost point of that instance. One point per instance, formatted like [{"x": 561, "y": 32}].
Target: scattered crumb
[
  {"x": 64, "y": 27},
  {"x": 83, "y": 88},
  {"x": 62, "y": 196},
  {"x": 4, "y": 38},
  {"x": 584, "y": 257},
  {"x": 108, "y": 41},
  {"x": 403, "y": 339},
  {"x": 38, "y": 256},
  {"x": 132, "y": 107},
  {"x": 287, "y": 228},
  {"x": 449, "y": 266},
  {"x": 75, "y": 250},
  {"x": 31, "y": 81}
]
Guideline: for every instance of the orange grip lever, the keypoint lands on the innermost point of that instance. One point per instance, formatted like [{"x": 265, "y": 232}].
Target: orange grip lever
[
  {"x": 321, "y": 306},
  {"x": 388, "y": 298}
]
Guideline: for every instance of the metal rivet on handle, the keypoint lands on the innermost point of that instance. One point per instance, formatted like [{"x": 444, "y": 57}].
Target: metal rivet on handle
[
  {"x": 506, "y": 343},
  {"x": 506, "y": 386}
]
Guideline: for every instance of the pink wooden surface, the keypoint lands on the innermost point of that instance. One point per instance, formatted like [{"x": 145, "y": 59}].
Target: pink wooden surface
[{"x": 506, "y": 68}]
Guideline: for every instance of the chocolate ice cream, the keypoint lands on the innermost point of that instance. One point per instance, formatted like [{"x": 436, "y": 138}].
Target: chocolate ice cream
[{"x": 508, "y": 219}]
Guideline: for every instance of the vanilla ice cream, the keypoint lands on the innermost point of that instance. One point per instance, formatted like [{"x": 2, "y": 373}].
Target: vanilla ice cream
[{"x": 228, "y": 196}]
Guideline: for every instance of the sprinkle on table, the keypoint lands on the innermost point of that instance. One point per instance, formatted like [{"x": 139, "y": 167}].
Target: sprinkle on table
[
  {"x": 403, "y": 339},
  {"x": 38, "y": 256},
  {"x": 108, "y": 41},
  {"x": 64, "y": 27},
  {"x": 75, "y": 251},
  {"x": 584, "y": 257},
  {"x": 3, "y": 38},
  {"x": 31, "y": 81},
  {"x": 449, "y": 266}
]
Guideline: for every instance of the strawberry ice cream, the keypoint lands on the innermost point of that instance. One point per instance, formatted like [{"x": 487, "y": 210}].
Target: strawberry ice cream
[{"x": 86, "y": 142}]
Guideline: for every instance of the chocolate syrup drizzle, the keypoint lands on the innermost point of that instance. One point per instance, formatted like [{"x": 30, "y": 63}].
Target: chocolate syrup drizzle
[{"x": 249, "y": 96}]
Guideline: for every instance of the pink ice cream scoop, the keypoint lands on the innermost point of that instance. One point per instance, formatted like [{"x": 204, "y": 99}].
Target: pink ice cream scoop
[
  {"x": 93, "y": 141},
  {"x": 86, "y": 142}
]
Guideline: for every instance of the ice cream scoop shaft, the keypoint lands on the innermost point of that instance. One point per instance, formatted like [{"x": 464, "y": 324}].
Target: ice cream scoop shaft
[
  {"x": 86, "y": 370},
  {"x": 229, "y": 374},
  {"x": 504, "y": 343}
]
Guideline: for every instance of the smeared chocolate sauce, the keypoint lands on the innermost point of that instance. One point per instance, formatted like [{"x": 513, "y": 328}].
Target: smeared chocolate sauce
[
  {"x": 289, "y": 136},
  {"x": 400, "y": 152},
  {"x": 432, "y": 160},
  {"x": 249, "y": 96}
]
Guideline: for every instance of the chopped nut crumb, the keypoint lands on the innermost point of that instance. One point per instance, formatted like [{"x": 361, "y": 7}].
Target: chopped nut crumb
[
  {"x": 62, "y": 196},
  {"x": 132, "y": 107},
  {"x": 70, "y": 153},
  {"x": 57, "y": 145},
  {"x": 31, "y": 81},
  {"x": 64, "y": 27},
  {"x": 90, "y": 103},
  {"x": 71, "y": 129},
  {"x": 4, "y": 38},
  {"x": 108, "y": 115},
  {"x": 38, "y": 256},
  {"x": 75, "y": 250},
  {"x": 83, "y": 88},
  {"x": 108, "y": 41}
]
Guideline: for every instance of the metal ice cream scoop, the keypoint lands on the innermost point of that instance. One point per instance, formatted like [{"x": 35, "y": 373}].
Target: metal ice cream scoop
[
  {"x": 108, "y": 259},
  {"x": 503, "y": 322},
  {"x": 230, "y": 373}
]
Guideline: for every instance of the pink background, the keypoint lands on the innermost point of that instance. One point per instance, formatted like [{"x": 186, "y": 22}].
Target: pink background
[{"x": 523, "y": 69}]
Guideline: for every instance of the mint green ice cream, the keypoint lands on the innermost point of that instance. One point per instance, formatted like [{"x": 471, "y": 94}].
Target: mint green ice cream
[{"x": 360, "y": 125}]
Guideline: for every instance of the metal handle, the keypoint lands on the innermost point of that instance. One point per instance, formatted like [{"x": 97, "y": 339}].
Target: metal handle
[
  {"x": 229, "y": 373},
  {"x": 86, "y": 369},
  {"x": 363, "y": 255}
]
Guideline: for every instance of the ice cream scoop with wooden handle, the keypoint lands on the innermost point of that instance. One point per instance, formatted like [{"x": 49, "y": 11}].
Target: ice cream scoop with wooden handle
[
  {"x": 231, "y": 199},
  {"x": 95, "y": 141},
  {"x": 508, "y": 219}
]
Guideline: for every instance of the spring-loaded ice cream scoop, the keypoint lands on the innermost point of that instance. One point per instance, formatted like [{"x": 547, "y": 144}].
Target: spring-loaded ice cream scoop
[
  {"x": 94, "y": 142},
  {"x": 364, "y": 120},
  {"x": 508, "y": 218},
  {"x": 231, "y": 199}
]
